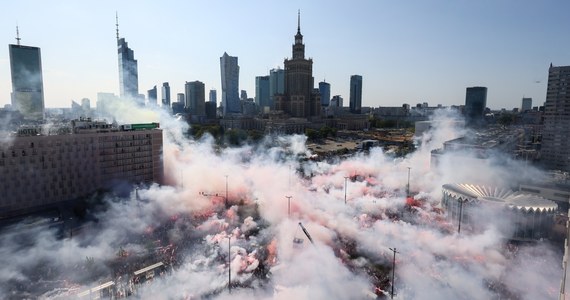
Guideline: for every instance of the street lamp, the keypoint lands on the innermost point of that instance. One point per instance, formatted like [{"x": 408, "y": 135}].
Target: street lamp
[
  {"x": 408, "y": 186},
  {"x": 229, "y": 263},
  {"x": 393, "y": 271},
  {"x": 227, "y": 191},
  {"x": 289, "y": 205},
  {"x": 345, "y": 178}
]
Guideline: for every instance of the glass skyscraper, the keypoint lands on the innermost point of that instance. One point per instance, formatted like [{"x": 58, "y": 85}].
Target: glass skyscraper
[
  {"x": 276, "y": 84},
  {"x": 128, "y": 69},
  {"x": 262, "y": 98},
  {"x": 475, "y": 104},
  {"x": 355, "y": 94},
  {"x": 165, "y": 94},
  {"x": 27, "y": 81},
  {"x": 230, "y": 84},
  {"x": 195, "y": 98},
  {"x": 325, "y": 90}
]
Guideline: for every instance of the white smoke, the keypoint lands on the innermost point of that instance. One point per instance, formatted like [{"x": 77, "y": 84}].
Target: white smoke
[{"x": 351, "y": 256}]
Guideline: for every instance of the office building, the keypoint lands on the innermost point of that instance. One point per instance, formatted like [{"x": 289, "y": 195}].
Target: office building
[
  {"x": 86, "y": 104},
  {"x": 230, "y": 84},
  {"x": 195, "y": 98},
  {"x": 48, "y": 166},
  {"x": 180, "y": 98},
  {"x": 526, "y": 104},
  {"x": 336, "y": 101},
  {"x": 355, "y": 94},
  {"x": 152, "y": 96},
  {"x": 128, "y": 69},
  {"x": 555, "y": 151},
  {"x": 27, "y": 81},
  {"x": 299, "y": 99},
  {"x": 276, "y": 85},
  {"x": 475, "y": 104},
  {"x": 325, "y": 90},
  {"x": 213, "y": 97},
  {"x": 262, "y": 99},
  {"x": 165, "y": 95}
]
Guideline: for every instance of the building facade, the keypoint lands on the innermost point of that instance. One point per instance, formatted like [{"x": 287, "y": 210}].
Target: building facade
[
  {"x": 180, "y": 98},
  {"x": 152, "y": 96},
  {"x": 555, "y": 152},
  {"x": 165, "y": 95},
  {"x": 43, "y": 168},
  {"x": 276, "y": 85},
  {"x": 475, "y": 104},
  {"x": 526, "y": 104},
  {"x": 128, "y": 70},
  {"x": 27, "y": 81},
  {"x": 355, "y": 94},
  {"x": 195, "y": 98},
  {"x": 299, "y": 100},
  {"x": 336, "y": 101},
  {"x": 213, "y": 97},
  {"x": 262, "y": 99},
  {"x": 325, "y": 90},
  {"x": 230, "y": 84}
]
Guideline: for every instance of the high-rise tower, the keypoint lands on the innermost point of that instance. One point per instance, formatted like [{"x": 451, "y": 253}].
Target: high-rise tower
[
  {"x": 230, "y": 84},
  {"x": 299, "y": 100},
  {"x": 325, "y": 90},
  {"x": 355, "y": 94},
  {"x": 276, "y": 85},
  {"x": 475, "y": 104},
  {"x": 165, "y": 94},
  {"x": 262, "y": 99},
  {"x": 128, "y": 68},
  {"x": 555, "y": 151},
  {"x": 27, "y": 80},
  {"x": 195, "y": 98}
]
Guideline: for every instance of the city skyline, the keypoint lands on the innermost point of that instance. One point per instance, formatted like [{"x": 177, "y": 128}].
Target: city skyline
[{"x": 434, "y": 53}]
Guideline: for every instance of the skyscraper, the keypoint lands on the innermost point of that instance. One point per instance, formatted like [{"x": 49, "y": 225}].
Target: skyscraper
[
  {"x": 336, "y": 101},
  {"x": 180, "y": 98},
  {"x": 230, "y": 84},
  {"x": 27, "y": 80},
  {"x": 213, "y": 97},
  {"x": 128, "y": 68},
  {"x": 262, "y": 99},
  {"x": 475, "y": 104},
  {"x": 196, "y": 98},
  {"x": 165, "y": 94},
  {"x": 152, "y": 96},
  {"x": 526, "y": 104},
  {"x": 299, "y": 100},
  {"x": 355, "y": 94},
  {"x": 325, "y": 90},
  {"x": 555, "y": 151},
  {"x": 276, "y": 85}
]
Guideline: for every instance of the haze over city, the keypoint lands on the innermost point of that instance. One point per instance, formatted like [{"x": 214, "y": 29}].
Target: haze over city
[
  {"x": 411, "y": 182},
  {"x": 409, "y": 52}
]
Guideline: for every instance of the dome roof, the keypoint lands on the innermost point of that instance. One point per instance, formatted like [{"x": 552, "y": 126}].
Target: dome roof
[{"x": 499, "y": 196}]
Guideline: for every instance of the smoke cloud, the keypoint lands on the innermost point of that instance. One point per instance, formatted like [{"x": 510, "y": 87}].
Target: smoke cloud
[{"x": 256, "y": 239}]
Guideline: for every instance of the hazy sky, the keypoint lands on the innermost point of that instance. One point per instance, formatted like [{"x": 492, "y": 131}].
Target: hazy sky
[{"x": 417, "y": 51}]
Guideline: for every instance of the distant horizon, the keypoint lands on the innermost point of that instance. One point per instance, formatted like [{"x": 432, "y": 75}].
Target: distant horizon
[{"x": 406, "y": 53}]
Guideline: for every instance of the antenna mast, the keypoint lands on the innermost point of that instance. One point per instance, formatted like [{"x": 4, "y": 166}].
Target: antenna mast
[
  {"x": 18, "y": 35},
  {"x": 117, "y": 24}
]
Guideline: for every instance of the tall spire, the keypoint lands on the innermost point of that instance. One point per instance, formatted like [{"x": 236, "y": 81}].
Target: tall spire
[
  {"x": 18, "y": 35},
  {"x": 117, "y": 24},
  {"x": 299, "y": 21}
]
